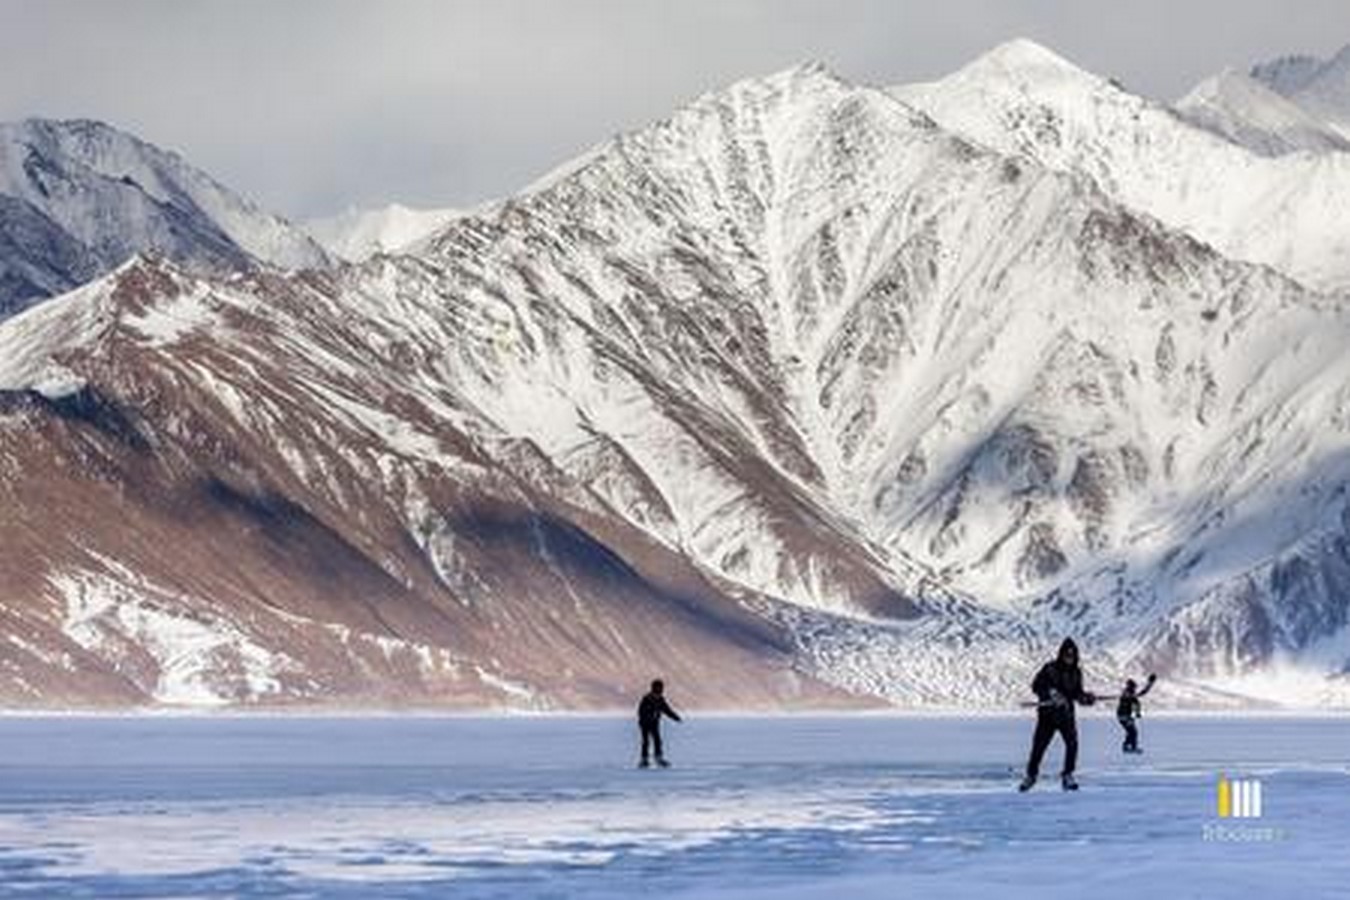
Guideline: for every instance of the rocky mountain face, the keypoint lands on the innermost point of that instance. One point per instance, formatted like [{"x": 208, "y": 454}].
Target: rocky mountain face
[
  {"x": 79, "y": 198},
  {"x": 811, "y": 394},
  {"x": 231, "y": 493}
]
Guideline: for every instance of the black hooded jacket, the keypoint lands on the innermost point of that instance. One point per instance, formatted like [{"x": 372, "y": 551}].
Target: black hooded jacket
[
  {"x": 1063, "y": 676},
  {"x": 652, "y": 707}
]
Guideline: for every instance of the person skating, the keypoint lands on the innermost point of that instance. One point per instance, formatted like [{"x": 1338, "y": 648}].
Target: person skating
[
  {"x": 1128, "y": 709},
  {"x": 1058, "y": 686},
  {"x": 650, "y": 710}
]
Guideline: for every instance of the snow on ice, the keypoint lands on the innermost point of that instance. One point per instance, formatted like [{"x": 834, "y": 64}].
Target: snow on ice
[{"x": 550, "y": 806}]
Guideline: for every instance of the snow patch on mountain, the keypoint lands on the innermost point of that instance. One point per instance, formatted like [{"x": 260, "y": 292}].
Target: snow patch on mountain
[
  {"x": 179, "y": 655},
  {"x": 30, "y": 343},
  {"x": 358, "y": 234}
]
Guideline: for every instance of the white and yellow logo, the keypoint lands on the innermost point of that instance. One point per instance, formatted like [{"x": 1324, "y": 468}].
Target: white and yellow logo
[{"x": 1239, "y": 798}]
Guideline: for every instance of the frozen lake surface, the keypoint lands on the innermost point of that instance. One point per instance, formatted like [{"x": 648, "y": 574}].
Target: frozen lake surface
[{"x": 552, "y": 807}]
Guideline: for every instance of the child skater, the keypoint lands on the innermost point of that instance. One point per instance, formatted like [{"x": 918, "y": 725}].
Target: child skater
[{"x": 1128, "y": 709}]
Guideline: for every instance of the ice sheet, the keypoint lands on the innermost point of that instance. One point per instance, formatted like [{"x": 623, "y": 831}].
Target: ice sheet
[{"x": 551, "y": 806}]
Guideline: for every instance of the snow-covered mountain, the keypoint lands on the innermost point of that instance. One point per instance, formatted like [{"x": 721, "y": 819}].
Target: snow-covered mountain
[
  {"x": 1319, "y": 87},
  {"x": 1025, "y": 100},
  {"x": 78, "y": 198},
  {"x": 1254, "y": 116},
  {"x": 799, "y": 397},
  {"x": 1289, "y": 105},
  {"x": 358, "y": 234}
]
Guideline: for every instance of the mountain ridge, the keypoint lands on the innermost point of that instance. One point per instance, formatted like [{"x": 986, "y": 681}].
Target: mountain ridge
[{"x": 797, "y": 396}]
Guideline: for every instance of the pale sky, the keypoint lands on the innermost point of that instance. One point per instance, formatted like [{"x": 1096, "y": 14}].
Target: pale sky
[{"x": 310, "y": 107}]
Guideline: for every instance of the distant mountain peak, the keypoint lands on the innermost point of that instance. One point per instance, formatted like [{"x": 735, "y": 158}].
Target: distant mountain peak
[
  {"x": 1287, "y": 74},
  {"x": 1246, "y": 111},
  {"x": 1023, "y": 55},
  {"x": 1319, "y": 87},
  {"x": 1290, "y": 75},
  {"x": 1152, "y": 158},
  {"x": 805, "y": 78},
  {"x": 79, "y": 197},
  {"x": 805, "y": 70}
]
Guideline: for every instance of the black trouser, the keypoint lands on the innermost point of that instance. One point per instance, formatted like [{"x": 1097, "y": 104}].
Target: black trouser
[
  {"x": 651, "y": 734},
  {"x": 1131, "y": 733},
  {"x": 1049, "y": 721}
]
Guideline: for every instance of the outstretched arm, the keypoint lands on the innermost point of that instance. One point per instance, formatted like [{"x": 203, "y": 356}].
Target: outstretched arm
[{"x": 665, "y": 708}]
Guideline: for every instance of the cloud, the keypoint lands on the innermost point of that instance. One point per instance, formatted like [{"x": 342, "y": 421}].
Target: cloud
[{"x": 313, "y": 106}]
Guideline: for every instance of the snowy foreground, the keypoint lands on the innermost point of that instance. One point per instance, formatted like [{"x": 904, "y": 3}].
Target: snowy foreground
[{"x": 551, "y": 807}]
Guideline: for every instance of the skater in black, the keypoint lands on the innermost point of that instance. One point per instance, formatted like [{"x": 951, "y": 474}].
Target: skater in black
[
  {"x": 1128, "y": 709},
  {"x": 1058, "y": 686},
  {"x": 650, "y": 711}
]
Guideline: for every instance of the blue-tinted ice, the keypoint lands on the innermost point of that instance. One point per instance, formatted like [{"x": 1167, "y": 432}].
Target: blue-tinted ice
[{"x": 552, "y": 807}]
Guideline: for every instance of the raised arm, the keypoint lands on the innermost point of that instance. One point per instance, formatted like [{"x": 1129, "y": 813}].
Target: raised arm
[{"x": 1148, "y": 686}]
